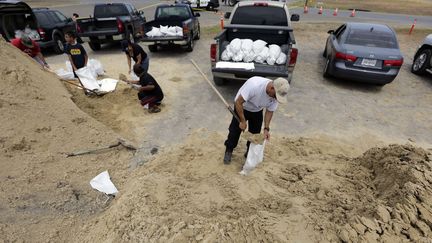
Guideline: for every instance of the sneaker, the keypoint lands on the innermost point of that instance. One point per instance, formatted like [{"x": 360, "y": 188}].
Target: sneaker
[
  {"x": 154, "y": 109},
  {"x": 227, "y": 157}
]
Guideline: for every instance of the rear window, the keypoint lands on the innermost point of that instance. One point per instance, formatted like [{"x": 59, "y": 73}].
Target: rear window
[
  {"x": 42, "y": 19},
  {"x": 374, "y": 38},
  {"x": 111, "y": 10},
  {"x": 257, "y": 15},
  {"x": 172, "y": 13}
]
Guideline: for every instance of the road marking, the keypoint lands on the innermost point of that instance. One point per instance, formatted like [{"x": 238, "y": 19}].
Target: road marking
[{"x": 149, "y": 6}]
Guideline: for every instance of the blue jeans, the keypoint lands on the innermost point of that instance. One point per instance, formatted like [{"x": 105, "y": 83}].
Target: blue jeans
[{"x": 145, "y": 64}]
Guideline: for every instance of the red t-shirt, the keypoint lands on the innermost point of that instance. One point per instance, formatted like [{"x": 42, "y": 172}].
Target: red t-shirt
[{"x": 30, "y": 51}]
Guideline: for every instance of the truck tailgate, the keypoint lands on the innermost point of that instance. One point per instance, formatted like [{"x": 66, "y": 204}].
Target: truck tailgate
[
  {"x": 260, "y": 70},
  {"x": 162, "y": 38}
]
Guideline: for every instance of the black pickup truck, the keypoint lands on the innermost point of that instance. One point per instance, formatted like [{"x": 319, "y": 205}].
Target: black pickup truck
[
  {"x": 268, "y": 21},
  {"x": 180, "y": 15},
  {"x": 111, "y": 22}
]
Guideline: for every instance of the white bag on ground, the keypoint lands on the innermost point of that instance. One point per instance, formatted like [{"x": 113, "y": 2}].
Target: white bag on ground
[
  {"x": 258, "y": 45},
  {"x": 107, "y": 84},
  {"x": 281, "y": 59},
  {"x": 96, "y": 66},
  {"x": 64, "y": 74},
  {"x": 87, "y": 79},
  {"x": 274, "y": 52},
  {"x": 235, "y": 45},
  {"x": 262, "y": 56},
  {"x": 103, "y": 183},
  {"x": 254, "y": 157},
  {"x": 246, "y": 46}
]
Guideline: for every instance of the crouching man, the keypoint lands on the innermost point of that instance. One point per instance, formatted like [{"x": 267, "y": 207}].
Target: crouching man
[{"x": 150, "y": 93}]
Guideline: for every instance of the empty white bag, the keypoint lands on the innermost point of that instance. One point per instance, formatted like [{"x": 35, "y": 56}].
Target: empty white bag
[
  {"x": 87, "y": 79},
  {"x": 103, "y": 183},
  {"x": 64, "y": 74},
  {"x": 254, "y": 157}
]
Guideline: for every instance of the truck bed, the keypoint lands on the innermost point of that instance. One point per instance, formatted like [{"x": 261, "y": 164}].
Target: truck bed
[{"x": 157, "y": 23}]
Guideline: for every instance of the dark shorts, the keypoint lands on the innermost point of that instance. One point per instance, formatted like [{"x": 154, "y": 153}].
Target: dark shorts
[{"x": 150, "y": 100}]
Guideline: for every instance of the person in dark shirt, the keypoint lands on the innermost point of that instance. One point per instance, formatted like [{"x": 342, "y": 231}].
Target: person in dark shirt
[
  {"x": 135, "y": 52},
  {"x": 75, "y": 51},
  {"x": 150, "y": 93}
]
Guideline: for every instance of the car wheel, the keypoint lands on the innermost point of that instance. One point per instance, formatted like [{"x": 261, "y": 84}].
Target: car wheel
[
  {"x": 421, "y": 62},
  {"x": 131, "y": 37},
  {"x": 152, "y": 48},
  {"x": 190, "y": 44},
  {"x": 198, "y": 35},
  {"x": 326, "y": 73},
  {"x": 95, "y": 46},
  {"x": 59, "y": 46},
  {"x": 218, "y": 81}
]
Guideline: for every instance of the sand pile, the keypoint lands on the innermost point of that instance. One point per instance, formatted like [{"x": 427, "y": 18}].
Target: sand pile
[{"x": 43, "y": 194}]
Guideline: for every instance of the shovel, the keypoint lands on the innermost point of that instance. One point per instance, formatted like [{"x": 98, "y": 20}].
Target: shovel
[{"x": 253, "y": 138}]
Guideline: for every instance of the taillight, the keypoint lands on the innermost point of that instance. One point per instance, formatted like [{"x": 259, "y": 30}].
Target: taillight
[
  {"x": 213, "y": 50},
  {"x": 261, "y": 4},
  {"x": 345, "y": 57},
  {"x": 41, "y": 33},
  {"x": 185, "y": 30},
  {"x": 120, "y": 26},
  {"x": 78, "y": 28},
  {"x": 393, "y": 63},
  {"x": 293, "y": 56}
]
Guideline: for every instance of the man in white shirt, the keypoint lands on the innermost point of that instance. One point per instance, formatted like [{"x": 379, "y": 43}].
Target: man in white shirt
[{"x": 256, "y": 94}]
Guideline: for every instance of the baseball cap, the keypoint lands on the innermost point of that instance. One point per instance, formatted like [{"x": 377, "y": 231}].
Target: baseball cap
[
  {"x": 281, "y": 87},
  {"x": 25, "y": 40}
]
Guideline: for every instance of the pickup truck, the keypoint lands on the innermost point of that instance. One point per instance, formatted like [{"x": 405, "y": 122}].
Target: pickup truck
[
  {"x": 423, "y": 57},
  {"x": 268, "y": 21},
  {"x": 111, "y": 22},
  {"x": 180, "y": 15}
]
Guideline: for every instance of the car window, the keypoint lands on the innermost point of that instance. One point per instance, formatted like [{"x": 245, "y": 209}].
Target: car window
[
  {"x": 172, "y": 13},
  {"x": 53, "y": 16},
  {"x": 112, "y": 10},
  {"x": 42, "y": 19},
  {"x": 256, "y": 15},
  {"x": 60, "y": 16},
  {"x": 340, "y": 33},
  {"x": 130, "y": 9},
  {"x": 371, "y": 38},
  {"x": 338, "y": 30}
]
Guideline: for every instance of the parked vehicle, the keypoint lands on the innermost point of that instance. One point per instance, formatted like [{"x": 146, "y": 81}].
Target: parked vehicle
[
  {"x": 422, "y": 59},
  {"x": 111, "y": 22},
  {"x": 363, "y": 52},
  {"x": 52, "y": 26},
  {"x": 180, "y": 15},
  {"x": 267, "y": 21},
  {"x": 207, "y": 4},
  {"x": 15, "y": 16}
]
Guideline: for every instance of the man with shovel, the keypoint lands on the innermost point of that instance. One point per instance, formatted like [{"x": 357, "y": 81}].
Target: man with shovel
[{"x": 256, "y": 94}]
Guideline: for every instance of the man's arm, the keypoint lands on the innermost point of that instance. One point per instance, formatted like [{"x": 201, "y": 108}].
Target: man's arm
[
  {"x": 147, "y": 88},
  {"x": 129, "y": 62},
  {"x": 239, "y": 108},
  {"x": 40, "y": 56},
  {"x": 267, "y": 118}
]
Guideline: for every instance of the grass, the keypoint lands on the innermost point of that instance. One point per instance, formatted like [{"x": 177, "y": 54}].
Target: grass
[
  {"x": 409, "y": 7},
  {"x": 210, "y": 30}
]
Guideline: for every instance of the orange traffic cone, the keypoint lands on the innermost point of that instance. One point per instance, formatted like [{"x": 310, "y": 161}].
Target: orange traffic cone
[
  {"x": 320, "y": 11},
  {"x": 352, "y": 13},
  {"x": 335, "y": 12},
  {"x": 222, "y": 22},
  {"x": 306, "y": 10}
]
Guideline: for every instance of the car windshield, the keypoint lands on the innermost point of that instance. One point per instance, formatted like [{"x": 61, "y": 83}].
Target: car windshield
[
  {"x": 110, "y": 10},
  {"x": 260, "y": 15},
  {"x": 172, "y": 13},
  {"x": 371, "y": 38}
]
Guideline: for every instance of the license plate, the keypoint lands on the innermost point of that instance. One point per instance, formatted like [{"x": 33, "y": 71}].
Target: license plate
[{"x": 368, "y": 62}]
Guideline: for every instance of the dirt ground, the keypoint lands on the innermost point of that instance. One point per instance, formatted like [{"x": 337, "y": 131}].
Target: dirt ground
[{"x": 346, "y": 162}]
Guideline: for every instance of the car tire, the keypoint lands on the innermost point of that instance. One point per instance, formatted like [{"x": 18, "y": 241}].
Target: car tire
[
  {"x": 95, "y": 46},
  {"x": 59, "y": 46},
  {"x": 218, "y": 81},
  {"x": 153, "y": 48},
  {"x": 326, "y": 73},
  {"x": 198, "y": 35},
  {"x": 190, "y": 44},
  {"x": 421, "y": 62},
  {"x": 131, "y": 36}
]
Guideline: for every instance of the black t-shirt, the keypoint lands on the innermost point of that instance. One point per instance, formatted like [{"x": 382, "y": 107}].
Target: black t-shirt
[
  {"x": 137, "y": 49},
  {"x": 77, "y": 53},
  {"x": 147, "y": 79}
]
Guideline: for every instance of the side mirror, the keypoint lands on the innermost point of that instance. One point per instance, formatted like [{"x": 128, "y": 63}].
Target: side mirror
[
  {"x": 295, "y": 17},
  {"x": 197, "y": 15},
  {"x": 227, "y": 15},
  {"x": 330, "y": 32}
]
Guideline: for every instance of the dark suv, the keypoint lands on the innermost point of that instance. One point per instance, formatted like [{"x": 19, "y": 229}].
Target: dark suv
[{"x": 52, "y": 25}]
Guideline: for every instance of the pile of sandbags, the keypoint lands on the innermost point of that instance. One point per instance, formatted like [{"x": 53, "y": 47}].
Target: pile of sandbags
[
  {"x": 246, "y": 50},
  {"x": 165, "y": 31}
]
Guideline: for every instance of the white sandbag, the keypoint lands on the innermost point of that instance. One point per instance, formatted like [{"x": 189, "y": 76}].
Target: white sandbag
[
  {"x": 246, "y": 46},
  {"x": 69, "y": 66},
  {"x": 262, "y": 56},
  {"x": 96, "y": 66},
  {"x": 274, "y": 52},
  {"x": 179, "y": 30},
  {"x": 258, "y": 45},
  {"x": 64, "y": 74},
  {"x": 238, "y": 57},
  {"x": 87, "y": 79},
  {"x": 107, "y": 84},
  {"x": 254, "y": 157},
  {"x": 164, "y": 29},
  {"x": 281, "y": 59},
  {"x": 235, "y": 45},
  {"x": 155, "y": 32},
  {"x": 227, "y": 55},
  {"x": 249, "y": 56}
]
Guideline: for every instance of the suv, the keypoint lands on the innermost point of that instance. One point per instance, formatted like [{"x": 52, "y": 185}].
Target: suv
[
  {"x": 52, "y": 25},
  {"x": 422, "y": 59}
]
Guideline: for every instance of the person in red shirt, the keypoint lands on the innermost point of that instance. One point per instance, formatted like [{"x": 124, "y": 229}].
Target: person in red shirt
[{"x": 29, "y": 46}]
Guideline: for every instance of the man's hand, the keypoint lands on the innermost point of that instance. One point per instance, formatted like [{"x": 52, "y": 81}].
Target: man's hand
[
  {"x": 243, "y": 125},
  {"x": 267, "y": 134}
]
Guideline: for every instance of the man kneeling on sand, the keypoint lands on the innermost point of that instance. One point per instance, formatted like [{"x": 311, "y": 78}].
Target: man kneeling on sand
[{"x": 150, "y": 93}]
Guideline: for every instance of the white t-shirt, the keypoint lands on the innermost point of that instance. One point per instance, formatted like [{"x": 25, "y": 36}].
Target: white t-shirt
[{"x": 255, "y": 95}]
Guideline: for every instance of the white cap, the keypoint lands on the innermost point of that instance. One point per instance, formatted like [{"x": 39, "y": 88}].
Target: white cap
[{"x": 281, "y": 87}]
